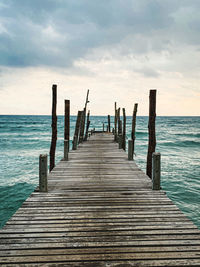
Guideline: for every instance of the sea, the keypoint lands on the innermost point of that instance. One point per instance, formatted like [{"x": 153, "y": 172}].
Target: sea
[{"x": 24, "y": 138}]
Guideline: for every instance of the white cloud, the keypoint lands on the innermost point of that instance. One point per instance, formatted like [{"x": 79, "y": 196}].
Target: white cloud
[{"x": 120, "y": 49}]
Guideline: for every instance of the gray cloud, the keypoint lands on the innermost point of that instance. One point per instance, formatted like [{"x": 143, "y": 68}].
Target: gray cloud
[{"x": 57, "y": 33}]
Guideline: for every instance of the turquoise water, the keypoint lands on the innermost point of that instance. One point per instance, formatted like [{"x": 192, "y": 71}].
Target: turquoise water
[{"x": 23, "y": 138}]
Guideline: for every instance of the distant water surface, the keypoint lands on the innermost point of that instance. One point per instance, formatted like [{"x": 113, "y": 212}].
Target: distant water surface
[{"x": 23, "y": 138}]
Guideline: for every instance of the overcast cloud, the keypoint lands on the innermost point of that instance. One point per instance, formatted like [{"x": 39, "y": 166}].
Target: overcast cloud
[
  {"x": 60, "y": 32},
  {"x": 81, "y": 37}
]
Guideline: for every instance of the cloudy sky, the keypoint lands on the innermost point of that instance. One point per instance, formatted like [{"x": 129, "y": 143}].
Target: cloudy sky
[{"x": 119, "y": 49}]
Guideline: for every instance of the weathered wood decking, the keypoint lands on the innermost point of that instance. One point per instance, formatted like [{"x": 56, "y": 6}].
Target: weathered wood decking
[{"x": 100, "y": 211}]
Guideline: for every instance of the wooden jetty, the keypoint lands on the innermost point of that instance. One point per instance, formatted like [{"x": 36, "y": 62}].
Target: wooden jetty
[{"x": 100, "y": 210}]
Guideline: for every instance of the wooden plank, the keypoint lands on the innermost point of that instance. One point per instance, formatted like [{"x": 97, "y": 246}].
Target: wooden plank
[
  {"x": 113, "y": 263},
  {"x": 103, "y": 256},
  {"x": 77, "y": 251}
]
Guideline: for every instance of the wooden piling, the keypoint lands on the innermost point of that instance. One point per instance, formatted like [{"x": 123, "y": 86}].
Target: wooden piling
[
  {"x": 156, "y": 171},
  {"x": 115, "y": 122},
  {"x": 66, "y": 149},
  {"x": 120, "y": 141},
  {"x": 130, "y": 149},
  {"x": 77, "y": 130},
  {"x": 133, "y": 127},
  {"x": 152, "y": 131},
  {"x": 124, "y": 130},
  {"x": 43, "y": 169},
  {"x": 67, "y": 120},
  {"x": 82, "y": 126},
  {"x": 54, "y": 128},
  {"x": 119, "y": 130},
  {"x": 109, "y": 123},
  {"x": 120, "y": 127},
  {"x": 87, "y": 126}
]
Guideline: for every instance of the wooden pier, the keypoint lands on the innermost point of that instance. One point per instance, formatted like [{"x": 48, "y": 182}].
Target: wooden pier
[{"x": 100, "y": 210}]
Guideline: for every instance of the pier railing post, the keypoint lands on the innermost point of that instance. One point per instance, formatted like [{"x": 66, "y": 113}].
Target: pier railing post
[
  {"x": 88, "y": 125},
  {"x": 152, "y": 131},
  {"x": 43, "y": 169},
  {"x": 124, "y": 130},
  {"x": 66, "y": 149},
  {"x": 130, "y": 149},
  {"x": 115, "y": 132},
  {"x": 67, "y": 121},
  {"x": 82, "y": 126},
  {"x": 134, "y": 126},
  {"x": 54, "y": 128},
  {"x": 77, "y": 130},
  {"x": 75, "y": 142},
  {"x": 119, "y": 130},
  {"x": 120, "y": 141},
  {"x": 156, "y": 171},
  {"x": 109, "y": 123}
]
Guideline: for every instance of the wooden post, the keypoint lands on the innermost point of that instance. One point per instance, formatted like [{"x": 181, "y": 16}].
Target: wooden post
[
  {"x": 77, "y": 129},
  {"x": 118, "y": 122},
  {"x": 88, "y": 125},
  {"x": 75, "y": 142},
  {"x": 120, "y": 127},
  {"x": 43, "y": 169},
  {"x": 120, "y": 141},
  {"x": 109, "y": 123},
  {"x": 66, "y": 149},
  {"x": 152, "y": 131},
  {"x": 67, "y": 120},
  {"x": 87, "y": 101},
  {"x": 82, "y": 126},
  {"x": 54, "y": 128},
  {"x": 124, "y": 130},
  {"x": 115, "y": 136},
  {"x": 130, "y": 149},
  {"x": 156, "y": 171},
  {"x": 133, "y": 127}
]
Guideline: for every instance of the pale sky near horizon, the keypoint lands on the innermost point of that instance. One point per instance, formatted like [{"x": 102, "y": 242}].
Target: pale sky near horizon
[{"x": 119, "y": 49}]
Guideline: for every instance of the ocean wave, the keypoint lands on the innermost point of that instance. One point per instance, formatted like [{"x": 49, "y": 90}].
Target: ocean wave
[
  {"x": 186, "y": 143},
  {"x": 141, "y": 133},
  {"x": 188, "y": 134},
  {"x": 12, "y": 198}
]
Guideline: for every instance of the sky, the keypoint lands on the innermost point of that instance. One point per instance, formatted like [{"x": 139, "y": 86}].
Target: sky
[{"x": 118, "y": 49}]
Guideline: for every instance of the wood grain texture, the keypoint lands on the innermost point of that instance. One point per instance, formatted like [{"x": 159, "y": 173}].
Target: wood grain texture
[
  {"x": 54, "y": 128},
  {"x": 100, "y": 210},
  {"x": 67, "y": 120}
]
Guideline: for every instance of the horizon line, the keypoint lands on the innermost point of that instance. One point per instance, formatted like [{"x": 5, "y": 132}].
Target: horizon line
[{"x": 99, "y": 115}]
